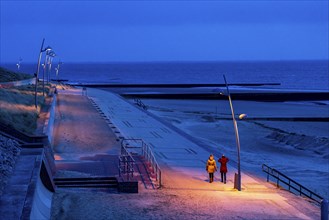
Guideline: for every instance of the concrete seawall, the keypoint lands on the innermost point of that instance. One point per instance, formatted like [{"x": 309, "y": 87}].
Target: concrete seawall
[
  {"x": 50, "y": 119},
  {"x": 42, "y": 198},
  {"x": 28, "y": 193}
]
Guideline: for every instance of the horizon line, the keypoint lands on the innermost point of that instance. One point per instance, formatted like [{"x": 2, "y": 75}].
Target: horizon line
[{"x": 177, "y": 61}]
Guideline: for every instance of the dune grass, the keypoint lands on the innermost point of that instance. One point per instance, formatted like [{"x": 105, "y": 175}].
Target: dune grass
[
  {"x": 17, "y": 107},
  {"x": 8, "y": 75}
]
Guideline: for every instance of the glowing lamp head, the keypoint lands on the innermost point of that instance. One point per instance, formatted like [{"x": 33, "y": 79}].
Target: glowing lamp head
[
  {"x": 242, "y": 116},
  {"x": 48, "y": 48}
]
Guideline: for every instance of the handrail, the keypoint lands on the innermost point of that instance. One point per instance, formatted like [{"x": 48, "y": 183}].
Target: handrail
[
  {"x": 280, "y": 177},
  {"x": 140, "y": 103},
  {"x": 126, "y": 164},
  {"x": 147, "y": 153}
]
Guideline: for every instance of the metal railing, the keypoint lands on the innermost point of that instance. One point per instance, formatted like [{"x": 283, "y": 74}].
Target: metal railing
[
  {"x": 149, "y": 156},
  {"x": 140, "y": 103},
  {"x": 138, "y": 146},
  {"x": 292, "y": 185},
  {"x": 126, "y": 164}
]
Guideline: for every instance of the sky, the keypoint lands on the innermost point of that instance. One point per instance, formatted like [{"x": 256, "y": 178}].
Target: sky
[{"x": 142, "y": 31}]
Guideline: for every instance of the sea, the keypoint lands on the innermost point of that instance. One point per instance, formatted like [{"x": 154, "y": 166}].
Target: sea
[{"x": 289, "y": 74}]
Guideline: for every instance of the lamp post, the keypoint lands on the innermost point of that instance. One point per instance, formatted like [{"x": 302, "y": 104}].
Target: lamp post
[
  {"x": 49, "y": 54},
  {"x": 237, "y": 184},
  {"x": 50, "y": 61},
  {"x": 19, "y": 63},
  {"x": 57, "y": 69},
  {"x": 43, "y": 73},
  {"x": 37, "y": 73}
]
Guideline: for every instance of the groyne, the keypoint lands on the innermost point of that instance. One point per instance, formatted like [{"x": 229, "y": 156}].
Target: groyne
[
  {"x": 269, "y": 96},
  {"x": 238, "y": 91}
]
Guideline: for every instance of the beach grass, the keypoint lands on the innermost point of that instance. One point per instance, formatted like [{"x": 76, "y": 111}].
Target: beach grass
[
  {"x": 17, "y": 107},
  {"x": 9, "y": 76}
]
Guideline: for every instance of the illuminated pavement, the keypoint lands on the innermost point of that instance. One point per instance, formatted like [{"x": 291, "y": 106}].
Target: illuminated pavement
[{"x": 182, "y": 161}]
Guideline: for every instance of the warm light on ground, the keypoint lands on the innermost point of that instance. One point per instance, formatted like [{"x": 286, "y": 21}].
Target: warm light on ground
[{"x": 58, "y": 157}]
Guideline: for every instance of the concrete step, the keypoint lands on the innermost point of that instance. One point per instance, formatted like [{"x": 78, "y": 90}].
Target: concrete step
[
  {"x": 144, "y": 172},
  {"x": 91, "y": 182},
  {"x": 88, "y": 186}
]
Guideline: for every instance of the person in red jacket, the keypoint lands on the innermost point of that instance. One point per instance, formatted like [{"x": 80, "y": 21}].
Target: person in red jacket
[{"x": 223, "y": 168}]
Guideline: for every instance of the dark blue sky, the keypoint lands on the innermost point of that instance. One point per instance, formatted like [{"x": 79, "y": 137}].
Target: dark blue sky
[{"x": 165, "y": 30}]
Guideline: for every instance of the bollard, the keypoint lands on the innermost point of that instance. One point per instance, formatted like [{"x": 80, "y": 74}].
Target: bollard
[
  {"x": 236, "y": 181},
  {"x": 324, "y": 209}
]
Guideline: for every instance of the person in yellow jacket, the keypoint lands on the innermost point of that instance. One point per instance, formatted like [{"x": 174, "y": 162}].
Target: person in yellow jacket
[{"x": 211, "y": 168}]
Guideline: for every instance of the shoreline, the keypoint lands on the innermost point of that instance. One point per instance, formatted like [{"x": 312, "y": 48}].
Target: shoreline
[
  {"x": 200, "y": 92},
  {"x": 269, "y": 97},
  {"x": 167, "y": 85}
]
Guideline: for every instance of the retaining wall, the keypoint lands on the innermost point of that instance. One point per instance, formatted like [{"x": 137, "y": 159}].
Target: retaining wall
[{"x": 49, "y": 123}]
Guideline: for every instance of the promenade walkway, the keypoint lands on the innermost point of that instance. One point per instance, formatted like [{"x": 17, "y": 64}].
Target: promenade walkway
[
  {"x": 186, "y": 192},
  {"x": 183, "y": 164},
  {"x": 82, "y": 139}
]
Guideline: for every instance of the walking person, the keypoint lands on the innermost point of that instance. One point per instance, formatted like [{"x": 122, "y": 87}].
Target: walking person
[
  {"x": 211, "y": 168},
  {"x": 223, "y": 168}
]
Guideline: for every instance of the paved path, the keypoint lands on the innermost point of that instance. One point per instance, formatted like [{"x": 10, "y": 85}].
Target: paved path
[
  {"x": 183, "y": 162},
  {"x": 83, "y": 141},
  {"x": 186, "y": 194}
]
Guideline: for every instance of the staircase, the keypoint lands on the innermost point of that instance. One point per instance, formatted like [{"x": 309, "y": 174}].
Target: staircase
[
  {"x": 87, "y": 182},
  {"x": 146, "y": 177}
]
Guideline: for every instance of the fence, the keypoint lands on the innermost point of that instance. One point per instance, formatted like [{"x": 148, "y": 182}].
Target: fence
[
  {"x": 138, "y": 146},
  {"x": 292, "y": 185}
]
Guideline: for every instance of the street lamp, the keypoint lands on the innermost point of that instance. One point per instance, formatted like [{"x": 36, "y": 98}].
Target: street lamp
[
  {"x": 237, "y": 179},
  {"x": 38, "y": 68},
  {"x": 48, "y": 51},
  {"x": 19, "y": 63},
  {"x": 50, "y": 61},
  {"x": 57, "y": 69}
]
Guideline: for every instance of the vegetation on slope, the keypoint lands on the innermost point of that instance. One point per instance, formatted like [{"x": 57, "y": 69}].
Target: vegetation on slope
[
  {"x": 17, "y": 107},
  {"x": 8, "y": 75},
  {"x": 17, "y": 104}
]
